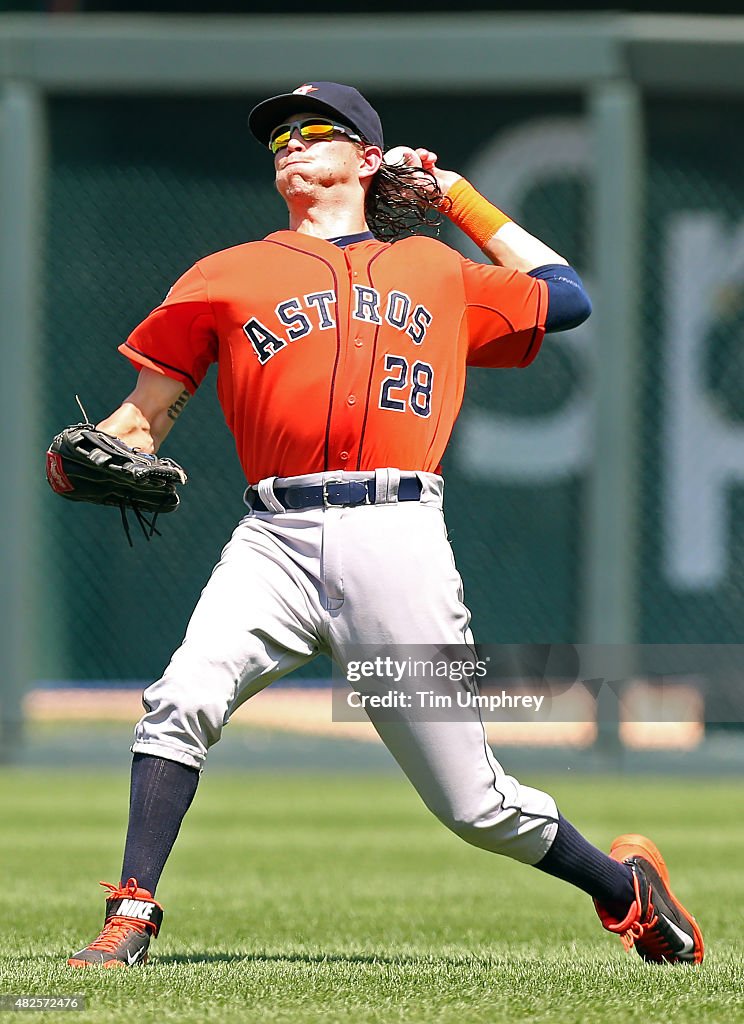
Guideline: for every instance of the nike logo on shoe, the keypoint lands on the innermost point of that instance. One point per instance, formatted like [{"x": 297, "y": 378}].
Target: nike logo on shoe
[
  {"x": 132, "y": 959},
  {"x": 688, "y": 942},
  {"x": 139, "y": 909}
]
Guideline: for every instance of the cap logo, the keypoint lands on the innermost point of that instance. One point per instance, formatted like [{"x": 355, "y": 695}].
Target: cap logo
[{"x": 304, "y": 90}]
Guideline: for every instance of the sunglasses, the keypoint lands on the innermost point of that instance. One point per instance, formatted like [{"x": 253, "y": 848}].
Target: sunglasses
[{"x": 310, "y": 130}]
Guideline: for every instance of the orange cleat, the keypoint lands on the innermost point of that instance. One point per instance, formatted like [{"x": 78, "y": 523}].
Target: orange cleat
[
  {"x": 132, "y": 917},
  {"x": 657, "y": 924}
]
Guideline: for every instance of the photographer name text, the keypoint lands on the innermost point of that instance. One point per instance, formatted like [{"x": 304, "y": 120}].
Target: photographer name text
[{"x": 430, "y": 700}]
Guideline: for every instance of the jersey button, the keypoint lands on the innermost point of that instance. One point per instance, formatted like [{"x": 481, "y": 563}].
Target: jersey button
[
  {"x": 351, "y": 400},
  {"x": 344, "y": 456},
  {"x": 358, "y": 342}
]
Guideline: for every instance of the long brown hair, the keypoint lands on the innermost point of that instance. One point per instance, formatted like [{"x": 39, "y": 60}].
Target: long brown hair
[{"x": 403, "y": 200}]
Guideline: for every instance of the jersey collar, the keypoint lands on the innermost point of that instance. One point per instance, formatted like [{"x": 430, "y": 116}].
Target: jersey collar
[
  {"x": 309, "y": 243},
  {"x": 343, "y": 240}
]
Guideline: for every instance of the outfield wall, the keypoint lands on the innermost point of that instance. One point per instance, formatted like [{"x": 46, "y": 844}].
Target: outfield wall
[{"x": 594, "y": 496}]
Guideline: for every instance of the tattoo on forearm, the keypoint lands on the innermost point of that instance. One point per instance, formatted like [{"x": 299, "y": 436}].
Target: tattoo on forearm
[{"x": 175, "y": 410}]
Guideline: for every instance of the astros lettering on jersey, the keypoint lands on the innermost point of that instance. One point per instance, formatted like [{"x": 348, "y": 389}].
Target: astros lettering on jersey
[{"x": 274, "y": 315}]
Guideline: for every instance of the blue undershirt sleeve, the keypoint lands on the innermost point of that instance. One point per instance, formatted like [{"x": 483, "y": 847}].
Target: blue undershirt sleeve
[{"x": 568, "y": 303}]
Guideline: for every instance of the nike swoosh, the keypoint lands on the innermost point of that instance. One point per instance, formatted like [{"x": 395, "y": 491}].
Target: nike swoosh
[
  {"x": 133, "y": 959},
  {"x": 688, "y": 943}
]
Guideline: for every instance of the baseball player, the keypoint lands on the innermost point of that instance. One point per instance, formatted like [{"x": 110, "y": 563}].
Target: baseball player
[{"x": 341, "y": 368}]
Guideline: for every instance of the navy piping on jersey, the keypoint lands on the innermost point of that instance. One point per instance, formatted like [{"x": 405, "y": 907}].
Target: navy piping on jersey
[
  {"x": 292, "y": 248},
  {"x": 526, "y": 356},
  {"x": 342, "y": 241},
  {"x": 159, "y": 362},
  {"x": 371, "y": 370}
]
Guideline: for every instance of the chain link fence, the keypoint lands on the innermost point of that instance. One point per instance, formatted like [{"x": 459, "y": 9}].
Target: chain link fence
[
  {"x": 140, "y": 188},
  {"x": 691, "y": 573}
]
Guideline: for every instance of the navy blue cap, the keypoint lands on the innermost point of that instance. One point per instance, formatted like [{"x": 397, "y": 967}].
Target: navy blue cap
[{"x": 328, "y": 98}]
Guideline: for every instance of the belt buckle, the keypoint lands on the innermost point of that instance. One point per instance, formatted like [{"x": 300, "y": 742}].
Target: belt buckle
[
  {"x": 324, "y": 490},
  {"x": 360, "y": 486}
]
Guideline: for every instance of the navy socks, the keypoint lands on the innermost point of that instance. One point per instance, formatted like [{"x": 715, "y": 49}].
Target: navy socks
[
  {"x": 575, "y": 860},
  {"x": 161, "y": 792}
]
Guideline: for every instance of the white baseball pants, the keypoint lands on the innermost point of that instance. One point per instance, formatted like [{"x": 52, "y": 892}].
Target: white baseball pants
[{"x": 292, "y": 584}]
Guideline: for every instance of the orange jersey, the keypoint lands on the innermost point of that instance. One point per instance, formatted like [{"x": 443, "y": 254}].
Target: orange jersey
[{"x": 340, "y": 358}]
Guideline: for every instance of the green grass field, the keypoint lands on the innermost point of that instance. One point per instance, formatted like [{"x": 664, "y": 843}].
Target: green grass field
[{"x": 329, "y": 899}]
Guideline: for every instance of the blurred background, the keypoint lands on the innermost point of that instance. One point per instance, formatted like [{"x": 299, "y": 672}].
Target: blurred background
[{"x": 593, "y": 498}]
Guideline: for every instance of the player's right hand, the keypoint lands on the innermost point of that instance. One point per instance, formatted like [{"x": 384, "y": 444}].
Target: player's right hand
[{"x": 426, "y": 159}]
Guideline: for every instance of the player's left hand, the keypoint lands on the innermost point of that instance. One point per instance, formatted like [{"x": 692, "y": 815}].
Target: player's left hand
[
  {"x": 86, "y": 464},
  {"x": 426, "y": 159}
]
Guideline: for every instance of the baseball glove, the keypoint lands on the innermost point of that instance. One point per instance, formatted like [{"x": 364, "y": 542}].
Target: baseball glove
[{"x": 85, "y": 464}]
